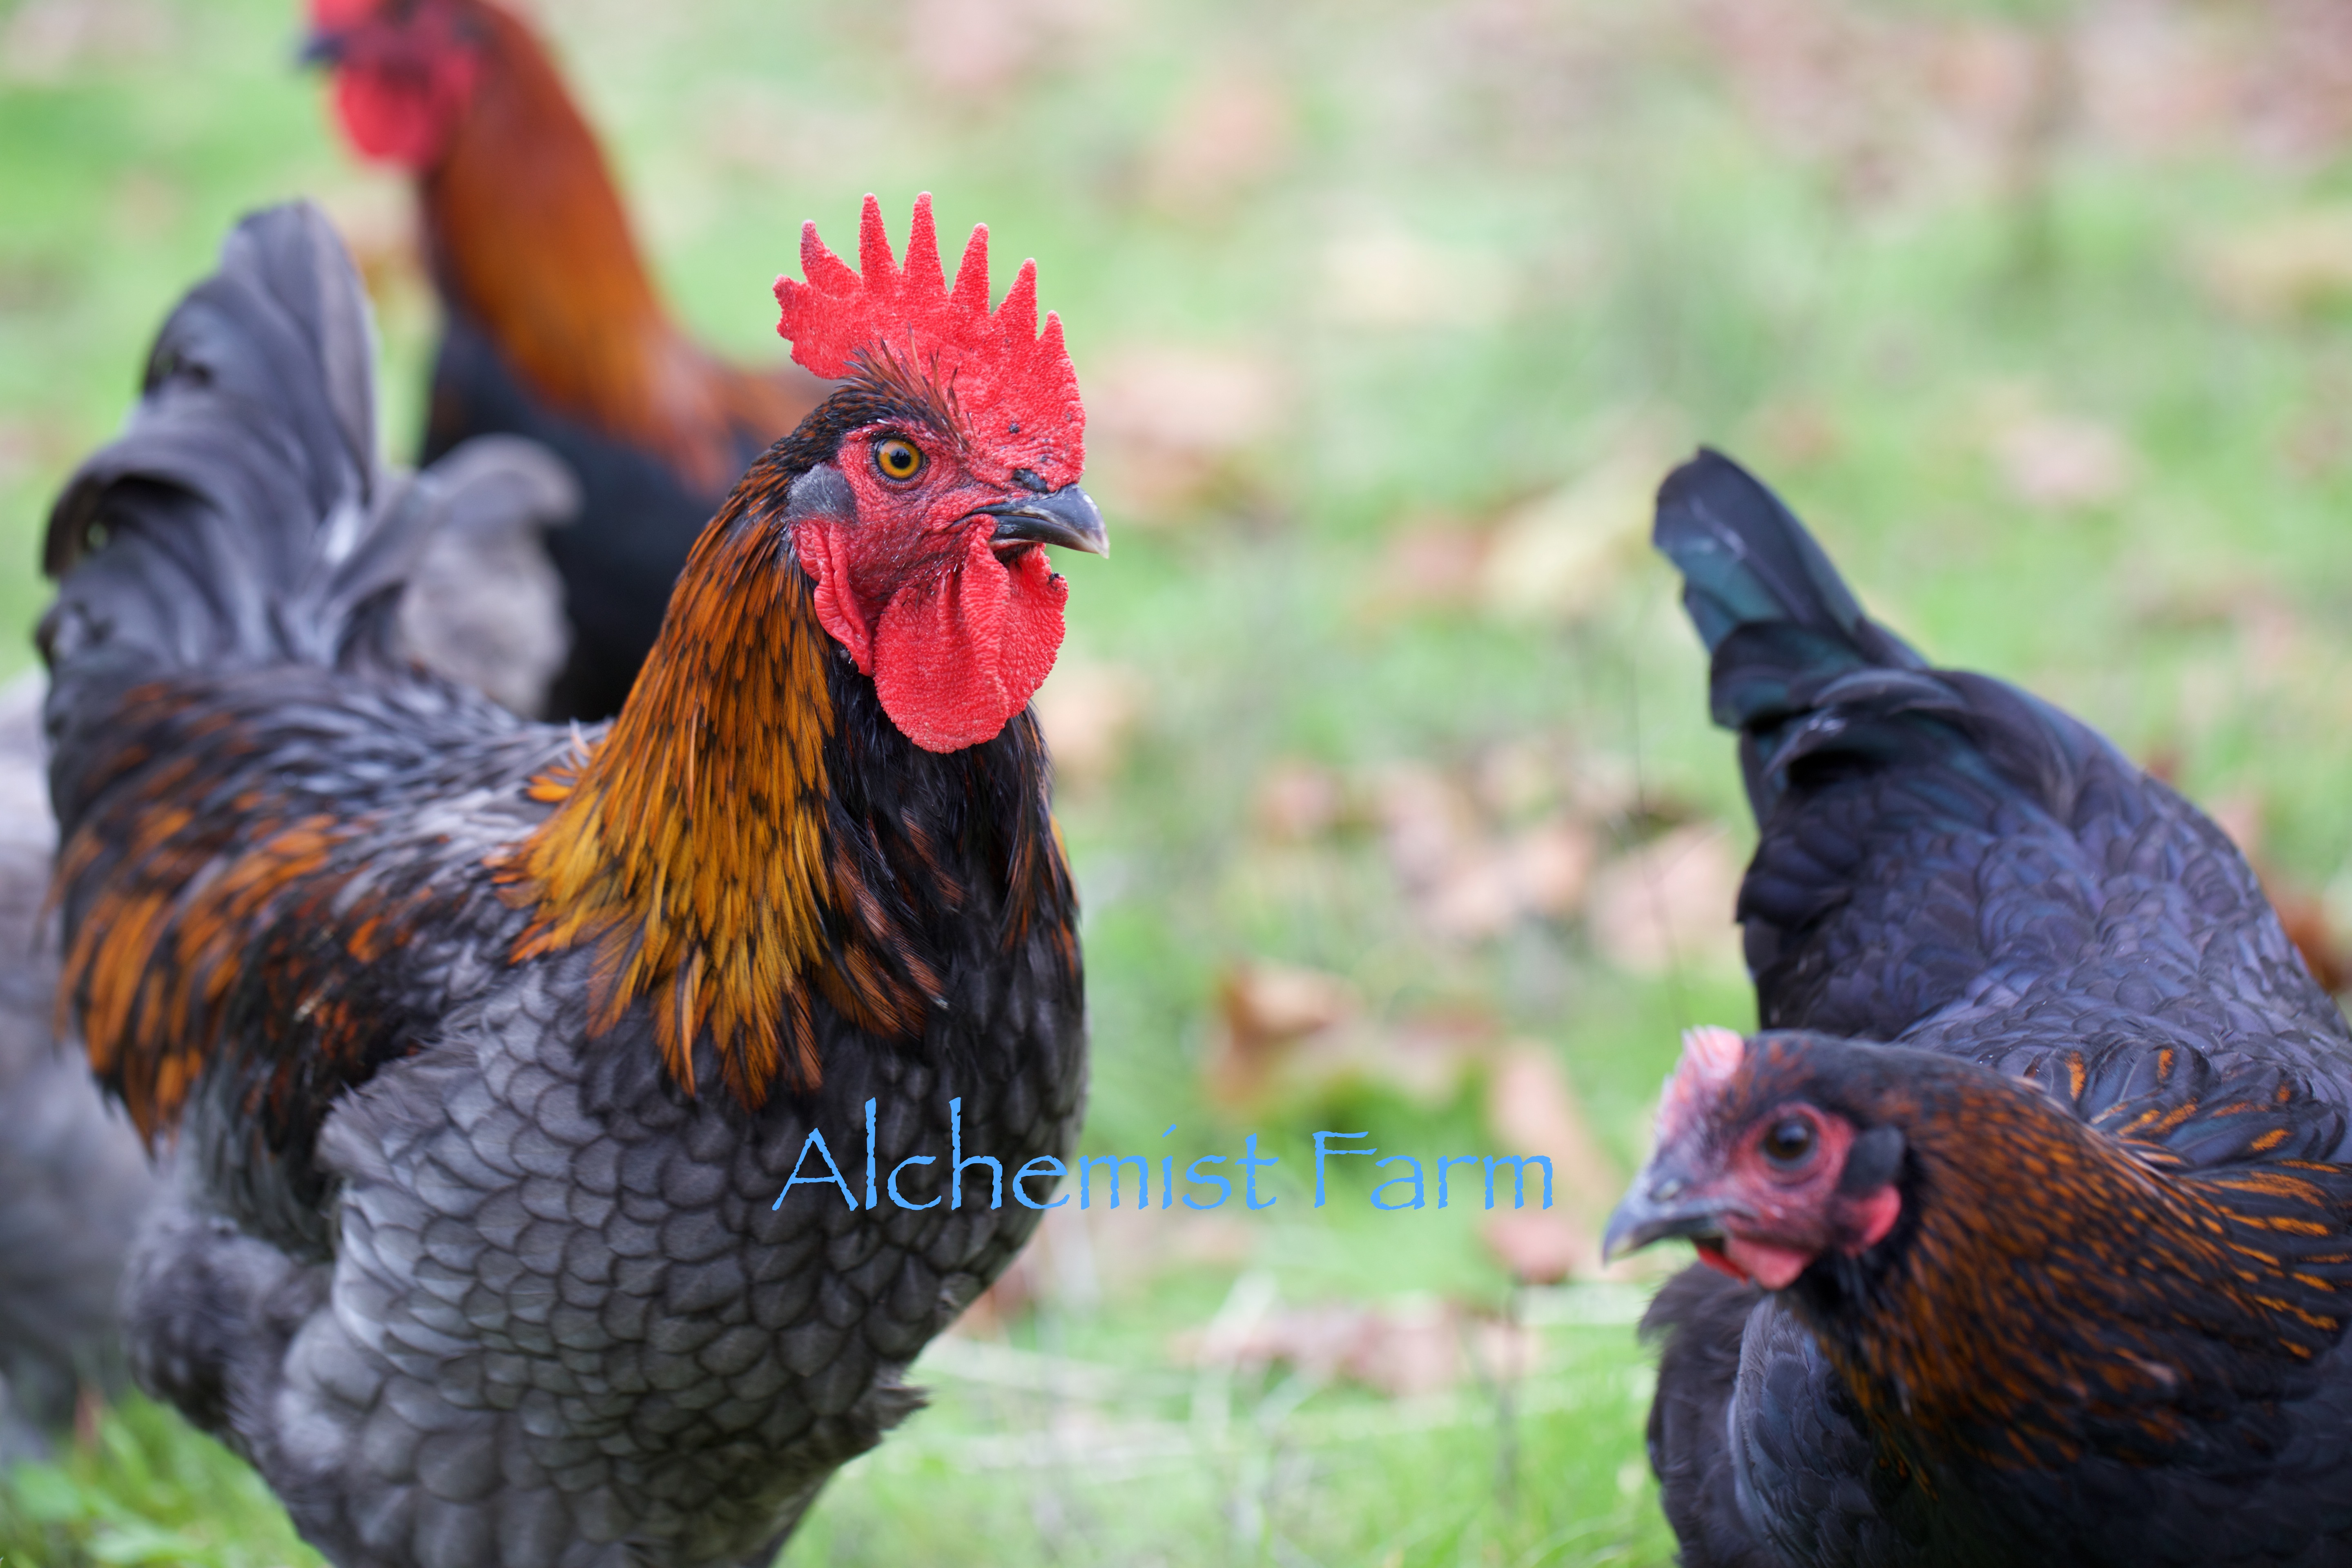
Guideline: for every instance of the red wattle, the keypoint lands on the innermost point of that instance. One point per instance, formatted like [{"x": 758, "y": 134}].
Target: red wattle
[
  {"x": 1774, "y": 1267},
  {"x": 957, "y": 656},
  {"x": 405, "y": 111},
  {"x": 824, "y": 556}
]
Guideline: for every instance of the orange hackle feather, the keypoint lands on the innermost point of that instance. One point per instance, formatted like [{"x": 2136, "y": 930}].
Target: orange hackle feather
[
  {"x": 152, "y": 966},
  {"x": 688, "y": 847},
  {"x": 530, "y": 237}
]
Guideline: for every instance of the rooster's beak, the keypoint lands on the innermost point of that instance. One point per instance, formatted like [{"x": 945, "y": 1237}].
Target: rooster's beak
[
  {"x": 1068, "y": 517},
  {"x": 1661, "y": 1205}
]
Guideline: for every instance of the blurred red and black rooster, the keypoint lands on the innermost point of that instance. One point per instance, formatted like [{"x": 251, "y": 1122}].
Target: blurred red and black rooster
[
  {"x": 551, "y": 326},
  {"x": 487, "y": 1048},
  {"x": 2028, "y": 1214}
]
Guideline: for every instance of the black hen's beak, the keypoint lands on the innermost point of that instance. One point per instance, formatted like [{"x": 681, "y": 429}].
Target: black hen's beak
[
  {"x": 1661, "y": 1205},
  {"x": 322, "y": 47},
  {"x": 1068, "y": 517}
]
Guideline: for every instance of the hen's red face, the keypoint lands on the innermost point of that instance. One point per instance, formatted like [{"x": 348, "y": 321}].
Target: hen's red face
[
  {"x": 1762, "y": 1188},
  {"x": 405, "y": 73}
]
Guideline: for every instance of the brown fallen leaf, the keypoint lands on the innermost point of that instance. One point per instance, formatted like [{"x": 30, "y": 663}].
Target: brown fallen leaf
[
  {"x": 1428, "y": 822},
  {"x": 1534, "y": 1110},
  {"x": 1562, "y": 554},
  {"x": 1231, "y": 129},
  {"x": 1385, "y": 275},
  {"x": 1430, "y": 562},
  {"x": 1165, "y": 418},
  {"x": 1552, "y": 865},
  {"x": 1262, "y": 1011},
  {"x": 1541, "y": 1249},
  {"x": 2062, "y": 464},
  {"x": 1668, "y": 903},
  {"x": 1088, "y": 712},
  {"x": 2286, "y": 267},
  {"x": 1406, "y": 1349},
  {"x": 1298, "y": 800}
]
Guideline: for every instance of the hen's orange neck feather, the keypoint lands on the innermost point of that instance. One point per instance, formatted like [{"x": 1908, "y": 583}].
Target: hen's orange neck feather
[{"x": 2063, "y": 1279}]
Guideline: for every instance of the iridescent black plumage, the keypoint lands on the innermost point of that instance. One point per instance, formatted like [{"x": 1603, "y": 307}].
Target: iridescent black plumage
[{"x": 1950, "y": 864}]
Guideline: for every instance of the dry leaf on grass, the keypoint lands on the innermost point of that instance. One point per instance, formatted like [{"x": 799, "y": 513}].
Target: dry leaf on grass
[
  {"x": 1404, "y": 1349},
  {"x": 50, "y": 40},
  {"x": 1232, "y": 128},
  {"x": 2286, "y": 267},
  {"x": 1541, "y": 1249},
  {"x": 1552, "y": 863},
  {"x": 1386, "y": 276},
  {"x": 979, "y": 49},
  {"x": 1562, "y": 554},
  {"x": 1534, "y": 1110},
  {"x": 1080, "y": 1258},
  {"x": 1298, "y": 800},
  {"x": 1668, "y": 903},
  {"x": 2062, "y": 464},
  {"x": 1430, "y": 563},
  {"x": 1165, "y": 418},
  {"x": 1088, "y": 712},
  {"x": 1262, "y": 1011}
]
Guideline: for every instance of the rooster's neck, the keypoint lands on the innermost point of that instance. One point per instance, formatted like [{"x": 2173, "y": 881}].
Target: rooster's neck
[
  {"x": 692, "y": 848},
  {"x": 527, "y": 238},
  {"x": 2067, "y": 1289}
]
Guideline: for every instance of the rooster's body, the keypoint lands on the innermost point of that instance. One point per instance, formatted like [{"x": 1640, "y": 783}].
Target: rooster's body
[
  {"x": 490, "y": 1047},
  {"x": 2076, "y": 1291},
  {"x": 551, "y": 328}
]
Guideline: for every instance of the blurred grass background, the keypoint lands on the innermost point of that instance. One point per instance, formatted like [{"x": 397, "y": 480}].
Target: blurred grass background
[{"x": 1385, "y": 764}]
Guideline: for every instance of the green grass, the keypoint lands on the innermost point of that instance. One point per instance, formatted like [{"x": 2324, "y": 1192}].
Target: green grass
[{"x": 1606, "y": 244}]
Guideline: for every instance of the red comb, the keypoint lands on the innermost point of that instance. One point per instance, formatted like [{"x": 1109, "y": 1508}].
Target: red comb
[
  {"x": 1014, "y": 391},
  {"x": 1711, "y": 1054}
]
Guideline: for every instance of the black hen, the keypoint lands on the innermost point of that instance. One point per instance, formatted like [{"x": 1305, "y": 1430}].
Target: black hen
[{"x": 2057, "y": 1270}]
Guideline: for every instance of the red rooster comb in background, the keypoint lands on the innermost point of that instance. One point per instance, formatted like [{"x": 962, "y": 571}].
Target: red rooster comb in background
[{"x": 1014, "y": 392}]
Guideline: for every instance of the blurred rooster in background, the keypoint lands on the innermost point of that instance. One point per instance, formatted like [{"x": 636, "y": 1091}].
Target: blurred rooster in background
[
  {"x": 2060, "y": 1272},
  {"x": 551, "y": 328},
  {"x": 489, "y": 1049}
]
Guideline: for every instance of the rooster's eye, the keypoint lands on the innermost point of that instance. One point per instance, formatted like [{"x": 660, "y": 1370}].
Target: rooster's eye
[
  {"x": 898, "y": 460},
  {"x": 1789, "y": 1140}
]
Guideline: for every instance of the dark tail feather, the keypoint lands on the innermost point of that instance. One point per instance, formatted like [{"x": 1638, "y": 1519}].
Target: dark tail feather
[
  {"x": 240, "y": 515},
  {"x": 244, "y": 516},
  {"x": 1772, "y": 611},
  {"x": 1798, "y": 669}
]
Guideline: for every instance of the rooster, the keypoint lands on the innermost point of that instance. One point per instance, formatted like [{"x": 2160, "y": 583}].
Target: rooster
[
  {"x": 551, "y": 326},
  {"x": 2027, "y": 1215},
  {"x": 494, "y": 1054}
]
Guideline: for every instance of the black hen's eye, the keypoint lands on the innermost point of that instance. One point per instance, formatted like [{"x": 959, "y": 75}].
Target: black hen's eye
[
  {"x": 1788, "y": 1140},
  {"x": 898, "y": 460}
]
